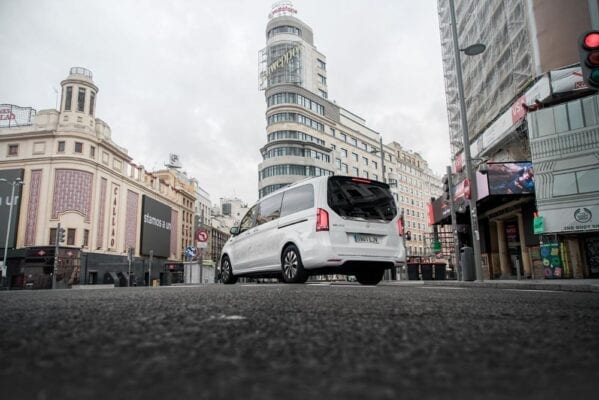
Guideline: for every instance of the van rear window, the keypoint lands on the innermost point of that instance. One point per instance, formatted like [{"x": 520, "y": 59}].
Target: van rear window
[{"x": 360, "y": 198}]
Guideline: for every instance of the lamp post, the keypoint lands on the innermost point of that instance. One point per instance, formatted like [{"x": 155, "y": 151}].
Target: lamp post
[
  {"x": 14, "y": 183},
  {"x": 469, "y": 51}
]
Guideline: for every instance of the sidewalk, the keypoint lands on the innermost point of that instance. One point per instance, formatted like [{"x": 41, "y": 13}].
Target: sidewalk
[{"x": 567, "y": 285}]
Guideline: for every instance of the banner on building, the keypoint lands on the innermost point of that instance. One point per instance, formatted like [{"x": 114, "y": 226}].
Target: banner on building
[
  {"x": 5, "y": 205},
  {"x": 12, "y": 116}
]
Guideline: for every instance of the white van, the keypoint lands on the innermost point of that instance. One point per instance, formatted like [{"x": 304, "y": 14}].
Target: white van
[{"x": 323, "y": 225}]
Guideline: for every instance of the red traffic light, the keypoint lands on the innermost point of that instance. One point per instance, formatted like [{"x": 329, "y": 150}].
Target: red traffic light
[{"x": 591, "y": 41}]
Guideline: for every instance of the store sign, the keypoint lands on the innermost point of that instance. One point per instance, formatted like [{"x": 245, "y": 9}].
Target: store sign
[
  {"x": 13, "y": 116},
  {"x": 538, "y": 225},
  {"x": 571, "y": 219},
  {"x": 281, "y": 8},
  {"x": 282, "y": 61}
]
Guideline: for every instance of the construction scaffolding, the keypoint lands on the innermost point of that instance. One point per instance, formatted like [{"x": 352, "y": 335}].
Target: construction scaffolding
[{"x": 491, "y": 80}]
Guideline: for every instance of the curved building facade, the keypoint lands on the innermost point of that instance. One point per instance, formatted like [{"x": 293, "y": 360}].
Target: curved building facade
[{"x": 293, "y": 76}]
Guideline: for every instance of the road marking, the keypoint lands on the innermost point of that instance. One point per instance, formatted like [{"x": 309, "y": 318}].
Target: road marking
[
  {"x": 442, "y": 287},
  {"x": 533, "y": 290}
]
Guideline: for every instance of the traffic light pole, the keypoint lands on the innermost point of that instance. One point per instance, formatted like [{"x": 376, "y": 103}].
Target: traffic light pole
[{"x": 56, "y": 246}]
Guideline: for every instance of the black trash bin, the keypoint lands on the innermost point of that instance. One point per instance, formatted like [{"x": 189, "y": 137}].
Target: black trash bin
[
  {"x": 440, "y": 269},
  {"x": 426, "y": 270},
  {"x": 413, "y": 272},
  {"x": 467, "y": 263}
]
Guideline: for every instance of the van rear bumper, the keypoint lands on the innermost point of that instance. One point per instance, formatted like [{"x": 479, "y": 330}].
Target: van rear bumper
[{"x": 349, "y": 265}]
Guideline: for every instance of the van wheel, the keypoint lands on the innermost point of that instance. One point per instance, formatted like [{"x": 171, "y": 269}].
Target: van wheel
[
  {"x": 291, "y": 264},
  {"x": 370, "y": 276},
  {"x": 226, "y": 272}
]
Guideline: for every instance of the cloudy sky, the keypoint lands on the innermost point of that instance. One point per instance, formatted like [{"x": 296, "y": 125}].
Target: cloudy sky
[{"x": 181, "y": 76}]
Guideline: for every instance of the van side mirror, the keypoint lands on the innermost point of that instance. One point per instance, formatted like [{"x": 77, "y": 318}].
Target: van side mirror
[{"x": 234, "y": 231}]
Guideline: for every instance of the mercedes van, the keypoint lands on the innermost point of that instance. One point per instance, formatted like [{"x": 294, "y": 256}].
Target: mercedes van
[{"x": 323, "y": 225}]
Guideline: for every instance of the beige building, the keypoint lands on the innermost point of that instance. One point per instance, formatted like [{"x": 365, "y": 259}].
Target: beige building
[{"x": 75, "y": 175}]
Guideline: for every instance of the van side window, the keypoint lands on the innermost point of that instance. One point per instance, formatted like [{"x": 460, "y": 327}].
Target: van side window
[
  {"x": 269, "y": 209},
  {"x": 297, "y": 199},
  {"x": 248, "y": 220}
]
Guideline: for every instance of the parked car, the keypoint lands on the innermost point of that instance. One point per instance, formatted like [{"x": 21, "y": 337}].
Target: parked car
[{"x": 322, "y": 225}]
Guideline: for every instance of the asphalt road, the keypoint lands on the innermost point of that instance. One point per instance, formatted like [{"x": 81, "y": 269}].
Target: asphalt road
[{"x": 276, "y": 341}]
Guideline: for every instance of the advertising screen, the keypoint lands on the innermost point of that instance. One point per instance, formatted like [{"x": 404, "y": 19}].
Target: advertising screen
[
  {"x": 155, "y": 228},
  {"x": 511, "y": 178},
  {"x": 5, "y": 205}
]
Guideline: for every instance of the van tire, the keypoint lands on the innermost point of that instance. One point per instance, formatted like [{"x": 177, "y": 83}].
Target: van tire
[
  {"x": 292, "y": 267},
  {"x": 370, "y": 276},
  {"x": 226, "y": 272}
]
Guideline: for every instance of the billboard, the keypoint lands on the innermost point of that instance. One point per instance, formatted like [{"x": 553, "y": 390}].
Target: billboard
[
  {"x": 5, "y": 204},
  {"x": 511, "y": 178},
  {"x": 155, "y": 228},
  {"x": 13, "y": 116}
]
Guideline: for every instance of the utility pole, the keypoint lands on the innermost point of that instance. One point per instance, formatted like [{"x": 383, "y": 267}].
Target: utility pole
[{"x": 150, "y": 268}]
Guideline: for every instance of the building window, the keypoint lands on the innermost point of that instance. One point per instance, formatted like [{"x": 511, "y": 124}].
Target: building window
[
  {"x": 13, "y": 149},
  {"x": 61, "y": 146},
  {"x": 322, "y": 79},
  {"x": 78, "y": 147},
  {"x": 70, "y": 237},
  {"x": 92, "y": 99},
  {"x": 321, "y": 64},
  {"x": 355, "y": 171},
  {"x": 365, "y": 160},
  {"x": 81, "y": 100},
  {"x": 68, "y": 99},
  {"x": 355, "y": 156},
  {"x": 85, "y": 237},
  {"x": 323, "y": 94},
  {"x": 344, "y": 153},
  {"x": 344, "y": 168},
  {"x": 92, "y": 151}
]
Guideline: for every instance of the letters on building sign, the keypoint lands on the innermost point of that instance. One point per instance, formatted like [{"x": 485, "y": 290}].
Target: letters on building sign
[
  {"x": 114, "y": 215},
  {"x": 283, "y": 60}
]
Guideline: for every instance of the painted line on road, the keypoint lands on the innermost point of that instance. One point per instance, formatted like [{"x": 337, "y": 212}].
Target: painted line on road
[
  {"x": 443, "y": 287},
  {"x": 534, "y": 290}
]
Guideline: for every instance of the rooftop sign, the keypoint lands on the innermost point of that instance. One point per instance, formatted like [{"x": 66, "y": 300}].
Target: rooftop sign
[{"x": 281, "y": 8}]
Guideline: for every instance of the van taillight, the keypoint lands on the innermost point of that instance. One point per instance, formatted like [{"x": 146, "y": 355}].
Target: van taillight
[{"x": 322, "y": 220}]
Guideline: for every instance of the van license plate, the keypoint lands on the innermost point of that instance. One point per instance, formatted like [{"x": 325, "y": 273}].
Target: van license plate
[{"x": 361, "y": 238}]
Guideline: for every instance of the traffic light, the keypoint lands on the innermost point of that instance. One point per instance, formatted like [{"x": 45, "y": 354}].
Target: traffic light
[
  {"x": 588, "y": 49},
  {"x": 446, "y": 188},
  {"x": 60, "y": 234}
]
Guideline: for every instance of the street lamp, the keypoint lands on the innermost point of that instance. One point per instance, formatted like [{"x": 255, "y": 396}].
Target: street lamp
[
  {"x": 469, "y": 51},
  {"x": 14, "y": 183},
  {"x": 374, "y": 151}
]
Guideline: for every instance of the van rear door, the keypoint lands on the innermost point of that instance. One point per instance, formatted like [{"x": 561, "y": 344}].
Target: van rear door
[{"x": 363, "y": 221}]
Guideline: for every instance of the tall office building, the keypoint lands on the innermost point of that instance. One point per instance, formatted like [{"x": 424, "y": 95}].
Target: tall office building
[
  {"x": 307, "y": 135},
  {"x": 515, "y": 94}
]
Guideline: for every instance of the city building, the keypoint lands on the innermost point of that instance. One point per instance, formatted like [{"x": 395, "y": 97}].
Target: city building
[
  {"x": 117, "y": 216},
  {"x": 526, "y": 105},
  {"x": 310, "y": 135}
]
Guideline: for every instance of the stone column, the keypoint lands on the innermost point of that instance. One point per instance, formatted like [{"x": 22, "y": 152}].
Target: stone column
[
  {"x": 523, "y": 250},
  {"x": 504, "y": 260}
]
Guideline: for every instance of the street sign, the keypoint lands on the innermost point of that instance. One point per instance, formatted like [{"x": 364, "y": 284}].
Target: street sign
[
  {"x": 190, "y": 252},
  {"x": 436, "y": 246},
  {"x": 202, "y": 245},
  {"x": 202, "y": 235}
]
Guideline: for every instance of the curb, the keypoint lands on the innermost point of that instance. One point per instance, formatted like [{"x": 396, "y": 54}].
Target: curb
[{"x": 568, "y": 287}]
